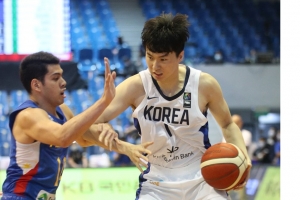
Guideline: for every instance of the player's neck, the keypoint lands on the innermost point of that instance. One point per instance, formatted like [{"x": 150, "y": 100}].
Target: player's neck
[
  {"x": 44, "y": 105},
  {"x": 174, "y": 83}
]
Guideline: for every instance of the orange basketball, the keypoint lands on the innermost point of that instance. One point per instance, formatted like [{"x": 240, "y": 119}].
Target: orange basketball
[{"x": 224, "y": 166}]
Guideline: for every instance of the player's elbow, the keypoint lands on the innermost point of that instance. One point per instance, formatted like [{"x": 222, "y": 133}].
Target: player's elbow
[
  {"x": 84, "y": 143},
  {"x": 64, "y": 142}
]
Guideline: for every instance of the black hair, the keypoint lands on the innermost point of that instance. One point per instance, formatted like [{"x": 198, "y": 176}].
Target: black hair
[
  {"x": 166, "y": 33},
  {"x": 34, "y": 66}
]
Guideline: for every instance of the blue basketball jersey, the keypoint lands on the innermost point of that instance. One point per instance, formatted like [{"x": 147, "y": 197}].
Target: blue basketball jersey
[{"x": 35, "y": 169}]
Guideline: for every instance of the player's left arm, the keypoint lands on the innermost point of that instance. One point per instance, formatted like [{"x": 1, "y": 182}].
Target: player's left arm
[
  {"x": 210, "y": 89},
  {"x": 104, "y": 130}
]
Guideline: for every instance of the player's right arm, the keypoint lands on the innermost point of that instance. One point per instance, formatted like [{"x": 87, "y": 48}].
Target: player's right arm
[
  {"x": 33, "y": 124},
  {"x": 99, "y": 133},
  {"x": 210, "y": 90},
  {"x": 129, "y": 93}
]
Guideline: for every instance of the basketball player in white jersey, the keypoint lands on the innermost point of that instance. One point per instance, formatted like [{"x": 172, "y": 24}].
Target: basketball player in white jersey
[{"x": 170, "y": 103}]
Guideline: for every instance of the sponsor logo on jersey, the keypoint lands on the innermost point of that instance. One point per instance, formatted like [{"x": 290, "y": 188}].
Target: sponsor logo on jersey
[
  {"x": 167, "y": 114},
  {"x": 154, "y": 183},
  {"x": 43, "y": 195},
  {"x": 175, "y": 157},
  {"x": 173, "y": 149},
  {"x": 187, "y": 98},
  {"x": 151, "y": 97}
]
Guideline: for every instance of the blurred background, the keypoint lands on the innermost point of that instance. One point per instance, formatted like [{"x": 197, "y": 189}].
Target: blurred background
[{"x": 237, "y": 41}]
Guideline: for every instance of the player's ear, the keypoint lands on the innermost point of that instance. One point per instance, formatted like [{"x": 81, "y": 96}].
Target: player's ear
[
  {"x": 35, "y": 84},
  {"x": 180, "y": 56}
]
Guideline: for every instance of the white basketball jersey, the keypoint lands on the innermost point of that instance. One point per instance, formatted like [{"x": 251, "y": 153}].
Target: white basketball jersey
[{"x": 176, "y": 125}]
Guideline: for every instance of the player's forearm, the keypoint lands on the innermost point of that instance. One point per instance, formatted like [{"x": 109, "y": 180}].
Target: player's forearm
[
  {"x": 78, "y": 125},
  {"x": 232, "y": 134},
  {"x": 92, "y": 137}
]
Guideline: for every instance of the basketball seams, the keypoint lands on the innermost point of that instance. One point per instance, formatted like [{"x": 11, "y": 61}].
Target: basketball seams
[
  {"x": 236, "y": 161},
  {"x": 214, "y": 157},
  {"x": 242, "y": 171},
  {"x": 211, "y": 154}
]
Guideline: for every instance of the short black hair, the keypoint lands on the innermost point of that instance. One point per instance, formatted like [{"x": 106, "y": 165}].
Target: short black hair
[
  {"x": 166, "y": 33},
  {"x": 34, "y": 66}
]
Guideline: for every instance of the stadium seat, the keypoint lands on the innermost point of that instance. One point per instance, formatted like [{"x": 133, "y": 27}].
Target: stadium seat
[
  {"x": 79, "y": 107},
  {"x": 124, "y": 52},
  {"x": 79, "y": 95},
  {"x": 4, "y": 121},
  {"x": 4, "y": 135},
  {"x": 86, "y": 63},
  {"x": 101, "y": 54},
  {"x": 17, "y": 97},
  {"x": 86, "y": 55},
  {"x": 5, "y": 149},
  {"x": 231, "y": 19}
]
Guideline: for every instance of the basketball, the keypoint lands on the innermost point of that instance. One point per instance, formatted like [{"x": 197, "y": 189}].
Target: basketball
[{"x": 224, "y": 166}]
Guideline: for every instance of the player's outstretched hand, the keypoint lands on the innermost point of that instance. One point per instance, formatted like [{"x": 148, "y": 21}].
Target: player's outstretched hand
[
  {"x": 107, "y": 135},
  {"x": 109, "y": 87},
  {"x": 248, "y": 170},
  {"x": 138, "y": 154}
]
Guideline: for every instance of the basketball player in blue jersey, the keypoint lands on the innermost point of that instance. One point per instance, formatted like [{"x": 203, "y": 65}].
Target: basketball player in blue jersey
[
  {"x": 170, "y": 102},
  {"x": 43, "y": 127}
]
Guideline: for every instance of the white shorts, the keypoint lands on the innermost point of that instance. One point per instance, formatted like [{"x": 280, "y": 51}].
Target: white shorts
[{"x": 186, "y": 183}]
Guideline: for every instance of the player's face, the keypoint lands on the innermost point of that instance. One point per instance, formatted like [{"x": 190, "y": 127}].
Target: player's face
[
  {"x": 54, "y": 85},
  {"x": 163, "y": 65}
]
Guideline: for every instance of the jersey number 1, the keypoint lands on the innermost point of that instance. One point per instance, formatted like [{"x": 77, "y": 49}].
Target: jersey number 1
[{"x": 59, "y": 170}]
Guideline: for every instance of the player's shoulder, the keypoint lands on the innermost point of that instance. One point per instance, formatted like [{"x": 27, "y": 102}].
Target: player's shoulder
[
  {"x": 206, "y": 79},
  {"x": 135, "y": 80},
  {"x": 136, "y": 87},
  {"x": 67, "y": 111},
  {"x": 208, "y": 85},
  {"x": 29, "y": 116},
  {"x": 30, "y": 112},
  {"x": 205, "y": 75}
]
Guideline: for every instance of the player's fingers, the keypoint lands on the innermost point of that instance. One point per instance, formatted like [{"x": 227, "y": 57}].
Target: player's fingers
[
  {"x": 117, "y": 140},
  {"x": 144, "y": 155},
  {"x": 110, "y": 140},
  {"x": 147, "y": 144},
  {"x": 107, "y": 66},
  {"x": 139, "y": 167},
  {"x": 108, "y": 80},
  {"x": 110, "y": 146},
  {"x": 140, "y": 155},
  {"x": 100, "y": 127},
  {"x": 146, "y": 152},
  {"x": 102, "y": 136},
  {"x": 114, "y": 75},
  {"x": 144, "y": 162},
  {"x": 106, "y": 139}
]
